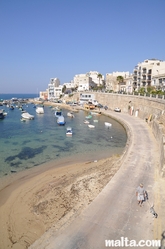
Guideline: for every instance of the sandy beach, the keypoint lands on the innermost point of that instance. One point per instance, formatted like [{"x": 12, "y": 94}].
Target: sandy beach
[{"x": 49, "y": 196}]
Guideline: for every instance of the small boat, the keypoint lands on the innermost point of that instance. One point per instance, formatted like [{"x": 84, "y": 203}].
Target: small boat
[
  {"x": 86, "y": 122},
  {"x": 95, "y": 113},
  {"x": 91, "y": 126},
  {"x": 107, "y": 124},
  {"x": 89, "y": 117},
  {"x": 58, "y": 114},
  {"x": 1, "y": 114},
  {"x": 95, "y": 120},
  {"x": 27, "y": 115},
  {"x": 61, "y": 120},
  {"x": 69, "y": 131},
  {"x": 40, "y": 110},
  {"x": 11, "y": 107},
  {"x": 23, "y": 120},
  {"x": 70, "y": 114}
]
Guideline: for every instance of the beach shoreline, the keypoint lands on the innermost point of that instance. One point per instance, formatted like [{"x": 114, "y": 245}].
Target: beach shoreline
[{"x": 35, "y": 200}]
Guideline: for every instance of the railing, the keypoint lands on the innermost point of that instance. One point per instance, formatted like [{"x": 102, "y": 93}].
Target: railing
[{"x": 155, "y": 96}]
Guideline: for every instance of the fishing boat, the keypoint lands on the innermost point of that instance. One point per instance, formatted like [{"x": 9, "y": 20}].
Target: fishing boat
[
  {"x": 107, "y": 124},
  {"x": 91, "y": 126},
  {"x": 95, "y": 113},
  {"x": 11, "y": 107},
  {"x": 1, "y": 114},
  {"x": 27, "y": 115},
  {"x": 69, "y": 131},
  {"x": 61, "y": 120},
  {"x": 88, "y": 117},
  {"x": 70, "y": 114},
  {"x": 40, "y": 110},
  {"x": 86, "y": 122}
]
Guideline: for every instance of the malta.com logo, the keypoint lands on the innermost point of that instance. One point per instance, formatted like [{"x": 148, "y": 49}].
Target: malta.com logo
[{"x": 125, "y": 242}]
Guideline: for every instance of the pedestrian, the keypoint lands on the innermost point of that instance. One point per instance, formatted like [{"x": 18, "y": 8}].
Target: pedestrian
[{"x": 141, "y": 194}]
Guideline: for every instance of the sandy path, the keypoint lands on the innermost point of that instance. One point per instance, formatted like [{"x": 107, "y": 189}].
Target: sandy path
[{"x": 38, "y": 200}]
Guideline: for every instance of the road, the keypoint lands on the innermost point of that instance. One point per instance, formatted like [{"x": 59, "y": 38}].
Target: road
[{"x": 115, "y": 213}]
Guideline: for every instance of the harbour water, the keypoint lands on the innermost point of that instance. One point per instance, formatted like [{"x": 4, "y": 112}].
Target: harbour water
[{"x": 24, "y": 145}]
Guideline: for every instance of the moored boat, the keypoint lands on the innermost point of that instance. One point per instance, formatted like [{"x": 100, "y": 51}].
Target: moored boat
[
  {"x": 70, "y": 114},
  {"x": 27, "y": 115},
  {"x": 61, "y": 120},
  {"x": 89, "y": 117},
  {"x": 1, "y": 114},
  {"x": 107, "y": 124},
  {"x": 69, "y": 131},
  {"x": 40, "y": 110},
  {"x": 91, "y": 126},
  {"x": 86, "y": 122}
]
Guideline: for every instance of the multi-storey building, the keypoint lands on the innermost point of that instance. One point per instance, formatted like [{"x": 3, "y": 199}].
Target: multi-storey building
[
  {"x": 112, "y": 83},
  {"x": 53, "y": 88},
  {"x": 83, "y": 82},
  {"x": 97, "y": 80},
  {"x": 149, "y": 73}
]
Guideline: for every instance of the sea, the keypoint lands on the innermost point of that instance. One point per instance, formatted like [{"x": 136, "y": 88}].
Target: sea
[{"x": 24, "y": 145}]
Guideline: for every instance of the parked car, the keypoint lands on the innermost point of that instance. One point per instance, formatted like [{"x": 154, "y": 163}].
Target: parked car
[
  {"x": 100, "y": 106},
  {"x": 117, "y": 109},
  {"x": 106, "y": 107}
]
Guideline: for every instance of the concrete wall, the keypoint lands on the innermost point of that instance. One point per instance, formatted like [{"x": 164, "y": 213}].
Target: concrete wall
[{"x": 149, "y": 108}]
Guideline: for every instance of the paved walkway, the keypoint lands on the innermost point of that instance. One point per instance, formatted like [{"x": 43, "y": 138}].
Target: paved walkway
[{"x": 115, "y": 213}]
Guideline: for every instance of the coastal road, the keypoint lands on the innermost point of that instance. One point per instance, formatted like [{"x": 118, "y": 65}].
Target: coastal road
[{"x": 114, "y": 213}]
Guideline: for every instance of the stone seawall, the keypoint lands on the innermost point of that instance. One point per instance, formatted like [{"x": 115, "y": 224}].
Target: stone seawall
[{"x": 152, "y": 110}]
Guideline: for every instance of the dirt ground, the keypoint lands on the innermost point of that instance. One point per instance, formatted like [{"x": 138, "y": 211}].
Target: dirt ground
[{"x": 33, "y": 203}]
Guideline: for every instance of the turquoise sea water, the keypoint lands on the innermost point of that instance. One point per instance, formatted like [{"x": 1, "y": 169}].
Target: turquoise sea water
[{"x": 27, "y": 144}]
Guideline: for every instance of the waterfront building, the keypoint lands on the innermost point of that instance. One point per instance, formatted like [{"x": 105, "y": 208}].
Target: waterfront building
[
  {"x": 149, "y": 73},
  {"x": 83, "y": 82},
  {"x": 44, "y": 95},
  {"x": 97, "y": 80},
  {"x": 54, "y": 89},
  {"x": 112, "y": 83},
  {"x": 69, "y": 85}
]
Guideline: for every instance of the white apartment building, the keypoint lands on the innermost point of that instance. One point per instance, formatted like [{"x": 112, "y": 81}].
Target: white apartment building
[
  {"x": 83, "y": 82},
  {"x": 113, "y": 85},
  {"x": 54, "y": 88},
  {"x": 149, "y": 73},
  {"x": 95, "y": 78},
  {"x": 69, "y": 85}
]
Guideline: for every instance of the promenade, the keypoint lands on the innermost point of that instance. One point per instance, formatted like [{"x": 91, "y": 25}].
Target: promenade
[{"x": 115, "y": 213}]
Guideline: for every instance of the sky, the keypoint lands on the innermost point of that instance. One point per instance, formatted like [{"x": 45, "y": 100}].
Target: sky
[{"x": 43, "y": 39}]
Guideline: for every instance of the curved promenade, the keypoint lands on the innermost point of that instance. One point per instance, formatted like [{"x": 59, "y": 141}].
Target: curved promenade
[{"x": 115, "y": 213}]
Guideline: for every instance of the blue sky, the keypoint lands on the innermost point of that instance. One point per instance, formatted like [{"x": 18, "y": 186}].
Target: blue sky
[{"x": 43, "y": 39}]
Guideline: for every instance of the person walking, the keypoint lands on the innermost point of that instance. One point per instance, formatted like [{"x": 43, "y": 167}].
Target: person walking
[{"x": 141, "y": 194}]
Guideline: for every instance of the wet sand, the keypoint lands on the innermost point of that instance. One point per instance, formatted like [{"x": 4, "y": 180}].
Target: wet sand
[{"x": 49, "y": 196}]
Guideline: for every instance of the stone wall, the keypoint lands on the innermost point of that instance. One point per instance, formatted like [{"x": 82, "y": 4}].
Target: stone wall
[{"x": 150, "y": 109}]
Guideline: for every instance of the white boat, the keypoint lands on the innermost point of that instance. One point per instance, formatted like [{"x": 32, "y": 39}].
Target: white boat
[
  {"x": 70, "y": 114},
  {"x": 91, "y": 126},
  {"x": 61, "y": 120},
  {"x": 69, "y": 131},
  {"x": 86, "y": 122},
  {"x": 27, "y": 115},
  {"x": 108, "y": 124},
  {"x": 40, "y": 110},
  {"x": 95, "y": 120},
  {"x": 95, "y": 113}
]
